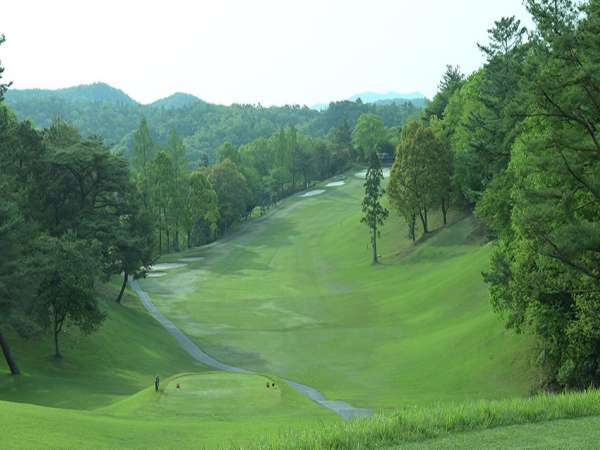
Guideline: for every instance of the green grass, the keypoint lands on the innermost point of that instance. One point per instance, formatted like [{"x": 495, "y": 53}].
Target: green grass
[
  {"x": 464, "y": 425},
  {"x": 295, "y": 294},
  {"x": 560, "y": 435},
  {"x": 113, "y": 363},
  {"x": 101, "y": 394},
  {"x": 209, "y": 411}
]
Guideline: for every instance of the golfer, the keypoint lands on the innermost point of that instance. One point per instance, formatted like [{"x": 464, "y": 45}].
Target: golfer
[{"x": 156, "y": 383}]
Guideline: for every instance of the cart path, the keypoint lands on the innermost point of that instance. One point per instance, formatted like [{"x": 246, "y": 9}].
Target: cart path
[{"x": 343, "y": 409}]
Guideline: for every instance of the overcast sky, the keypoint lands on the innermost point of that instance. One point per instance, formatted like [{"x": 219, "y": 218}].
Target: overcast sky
[{"x": 245, "y": 51}]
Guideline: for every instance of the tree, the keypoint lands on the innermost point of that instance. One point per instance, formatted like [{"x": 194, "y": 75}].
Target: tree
[
  {"x": 442, "y": 159},
  {"x": 452, "y": 81},
  {"x": 228, "y": 151},
  {"x": 374, "y": 214},
  {"x": 368, "y": 134},
  {"x": 132, "y": 245},
  {"x": 414, "y": 178},
  {"x": 161, "y": 201},
  {"x": 141, "y": 156},
  {"x": 544, "y": 273},
  {"x": 3, "y": 86},
  {"x": 177, "y": 152},
  {"x": 232, "y": 193},
  {"x": 12, "y": 274},
  {"x": 200, "y": 204},
  {"x": 66, "y": 292}
]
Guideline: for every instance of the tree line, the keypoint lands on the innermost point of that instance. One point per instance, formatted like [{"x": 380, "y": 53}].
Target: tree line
[
  {"x": 518, "y": 143},
  {"x": 108, "y": 112}
]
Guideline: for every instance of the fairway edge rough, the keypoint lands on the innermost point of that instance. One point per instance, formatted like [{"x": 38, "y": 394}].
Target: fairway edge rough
[{"x": 345, "y": 410}]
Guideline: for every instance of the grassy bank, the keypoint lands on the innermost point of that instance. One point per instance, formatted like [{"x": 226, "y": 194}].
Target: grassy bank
[{"x": 443, "y": 425}]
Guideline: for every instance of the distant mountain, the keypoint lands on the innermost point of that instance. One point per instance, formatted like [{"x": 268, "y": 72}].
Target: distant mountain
[
  {"x": 388, "y": 98},
  {"x": 95, "y": 92},
  {"x": 175, "y": 101},
  {"x": 374, "y": 97},
  {"x": 101, "y": 110}
]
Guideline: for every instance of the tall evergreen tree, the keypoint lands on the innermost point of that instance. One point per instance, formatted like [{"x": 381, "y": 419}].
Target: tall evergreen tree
[
  {"x": 374, "y": 214},
  {"x": 142, "y": 154}
]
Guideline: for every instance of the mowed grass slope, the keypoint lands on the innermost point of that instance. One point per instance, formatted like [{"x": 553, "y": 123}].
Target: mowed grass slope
[
  {"x": 294, "y": 294},
  {"x": 101, "y": 394},
  {"x": 118, "y": 360},
  {"x": 211, "y": 410}
]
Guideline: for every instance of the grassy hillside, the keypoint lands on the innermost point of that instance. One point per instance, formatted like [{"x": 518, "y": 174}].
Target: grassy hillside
[
  {"x": 120, "y": 359},
  {"x": 101, "y": 394},
  {"x": 295, "y": 295}
]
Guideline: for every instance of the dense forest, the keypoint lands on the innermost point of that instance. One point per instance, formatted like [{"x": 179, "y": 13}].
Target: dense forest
[
  {"x": 101, "y": 110},
  {"x": 518, "y": 142}
]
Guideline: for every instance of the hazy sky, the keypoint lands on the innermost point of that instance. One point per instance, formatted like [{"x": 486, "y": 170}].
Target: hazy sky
[{"x": 224, "y": 51}]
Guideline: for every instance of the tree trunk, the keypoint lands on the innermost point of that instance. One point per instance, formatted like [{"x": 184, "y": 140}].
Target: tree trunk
[
  {"x": 12, "y": 365},
  {"x": 411, "y": 229},
  {"x": 159, "y": 239},
  {"x": 423, "y": 216},
  {"x": 123, "y": 286},
  {"x": 374, "y": 242},
  {"x": 56, "y": 348},
  {"x": 445, "y": 210},
  {"x": 189, "y": 238}
]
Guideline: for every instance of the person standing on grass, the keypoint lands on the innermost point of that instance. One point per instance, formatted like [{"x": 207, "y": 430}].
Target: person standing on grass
[{"x": 156, "y": 383}]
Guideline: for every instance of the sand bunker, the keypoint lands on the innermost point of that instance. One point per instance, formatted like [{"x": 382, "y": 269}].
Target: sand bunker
[
  {"x": 166, "y": 266},
  {"x": 155, "y": 274},
  {"x": 191, "y": 259},
  {"x": 363, "y": 174},
  {"x": 336, "y": 183},
  {"x": 313, "y": 193}
]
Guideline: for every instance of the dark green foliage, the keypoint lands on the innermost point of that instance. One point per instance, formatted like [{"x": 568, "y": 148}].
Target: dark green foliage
[
  {"x": 544, "y": 275},
  {"x": 66, "y": 292},
  {"x": 101, "y": 110},
  {"x": 232, "y": 193}
]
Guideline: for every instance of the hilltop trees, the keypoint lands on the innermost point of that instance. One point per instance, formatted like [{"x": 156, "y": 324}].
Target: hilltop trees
[
  {"x": 374, "y": 214},
  {"x": 368, "y": 135}
]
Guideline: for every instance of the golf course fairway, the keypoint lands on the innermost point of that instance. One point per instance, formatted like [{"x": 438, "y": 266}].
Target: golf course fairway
[
  {"x": 294, "y": 294},
  {"x": 291, "y": 295}
]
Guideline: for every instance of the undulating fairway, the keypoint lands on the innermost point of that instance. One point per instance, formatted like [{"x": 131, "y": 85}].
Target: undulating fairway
[{"x": 295, "y": 295}]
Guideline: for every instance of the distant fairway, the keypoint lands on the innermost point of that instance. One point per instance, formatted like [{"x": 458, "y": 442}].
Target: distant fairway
[{"x": 294, "y": 294}]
